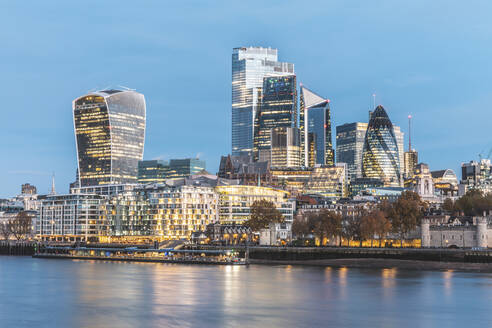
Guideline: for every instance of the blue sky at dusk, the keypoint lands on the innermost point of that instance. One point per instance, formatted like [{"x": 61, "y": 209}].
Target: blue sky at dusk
[{"x": 431, "y": 59}]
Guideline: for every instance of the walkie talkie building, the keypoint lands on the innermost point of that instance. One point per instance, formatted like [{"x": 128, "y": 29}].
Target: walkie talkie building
[{"x": 110, "y": 134}]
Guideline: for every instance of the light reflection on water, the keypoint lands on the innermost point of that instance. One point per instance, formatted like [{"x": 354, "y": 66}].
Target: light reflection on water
[{"x": 52, "y": 293}]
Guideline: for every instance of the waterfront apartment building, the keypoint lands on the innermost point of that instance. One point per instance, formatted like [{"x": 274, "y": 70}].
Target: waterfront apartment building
[
  {"x": 70, "y": 218},
  {"x": 278, "y": 110},
  {"x": 285, "y": 147},
  {"x": 381, "y": 155},
  {"x": 157, "y": 171},
  {"x": 315, "y": 126},
  {"x": 249, "y": 66},
  {"x": 110, "y": 134},
  {"x": 235, "y": 202}
]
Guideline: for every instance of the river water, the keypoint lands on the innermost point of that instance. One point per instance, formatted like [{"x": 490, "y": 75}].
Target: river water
[{"x": 71, "y": 293}]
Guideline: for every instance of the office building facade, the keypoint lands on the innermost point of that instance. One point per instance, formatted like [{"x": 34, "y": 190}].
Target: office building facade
[
  {"x": 278, "y": 110},
  {"x": 315, "y": 126},
  {"x": 350, "y": 145},
  {"x": 285, "y": 147},
  {"x": 157, "y": 171},
  {"x": 110, "y": 135},
  {"x": 249, "y": 66}
]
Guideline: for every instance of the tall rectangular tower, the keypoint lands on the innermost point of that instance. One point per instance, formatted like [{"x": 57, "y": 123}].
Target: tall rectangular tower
[
  {"x": 278, "y": 110},
  {"x": 110, "y": 134},
  {"x": 350, "y": 144},
  {"x": 249, "y": 67}
]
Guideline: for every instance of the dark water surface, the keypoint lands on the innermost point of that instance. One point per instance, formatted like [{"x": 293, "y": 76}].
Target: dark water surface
[{"x": 65, "y": 293}]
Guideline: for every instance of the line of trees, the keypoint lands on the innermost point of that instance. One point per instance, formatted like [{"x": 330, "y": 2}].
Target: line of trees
[
  {"x": 19, "y": 226},
  {"x": 400, "y": 217},
  {"x": 473, "y": 203},
  {"x": 263, "y": 212}
]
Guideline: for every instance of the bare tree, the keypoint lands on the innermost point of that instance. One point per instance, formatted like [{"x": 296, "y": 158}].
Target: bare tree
[
  {"x": 6, "y": 229},
  {"x": 21, "y": 225}
]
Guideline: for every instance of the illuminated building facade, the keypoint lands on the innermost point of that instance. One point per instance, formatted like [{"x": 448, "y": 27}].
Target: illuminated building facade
[
  {"x": 350, "y": 145},
  {"x": 235, "y": 202},
  {"x": 410, "y": 161},
  {"x": 73, "y": 217},
  {"x": 110, "y": 134},
  {"x": 285, "y": 148},
  {"x": 380, "y": 157},
  {"x": 315, "y": 126},
  {"x": 292, "y": 179},
  {"x": 278, "y": 110},
  {"x": 445, "y": 182},
  {"x": 328, "y": 181},
  {"x": 249, "y": 67},
  {"x": 182, "y": 168}
]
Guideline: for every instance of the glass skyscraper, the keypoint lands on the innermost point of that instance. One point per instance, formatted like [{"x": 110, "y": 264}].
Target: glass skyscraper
[
  {"x": 249, "y": 67},
  {"x": 157, "y": 171},
  {"x": 350, "y": 144},
  {"x": 315, "y": 110},
  {"x": 278, "y": 110},
  {"x": 380, "y": 157},
  {"x": 110, "y": 134}
]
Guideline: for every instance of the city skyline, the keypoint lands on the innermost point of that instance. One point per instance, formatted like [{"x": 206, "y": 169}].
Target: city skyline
[{"x": 37, "y": 137}]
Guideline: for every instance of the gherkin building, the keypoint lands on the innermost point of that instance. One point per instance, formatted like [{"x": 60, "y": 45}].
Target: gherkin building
[{"x": 380, "y": 159}]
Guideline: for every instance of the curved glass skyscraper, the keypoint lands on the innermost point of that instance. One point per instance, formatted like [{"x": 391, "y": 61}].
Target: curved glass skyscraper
[
  {"x": 380, "y": 157},
  {"x": 110, "y": 134}
]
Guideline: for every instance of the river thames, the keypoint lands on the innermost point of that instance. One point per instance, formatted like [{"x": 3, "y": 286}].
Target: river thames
[{"x": 71, "y": 293}]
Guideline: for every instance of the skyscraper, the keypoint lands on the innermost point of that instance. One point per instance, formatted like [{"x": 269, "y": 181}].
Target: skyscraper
[
  {"x": 315, "y": 110},
  {"x": 249, "y": 67},
  {"x": 110, "y": 134},
  {"x": 380, "y": 157},
  {"x": 286, "y": 151},
  {"x": 278, "y": 110},
  {"x": 350, "y": 144}
]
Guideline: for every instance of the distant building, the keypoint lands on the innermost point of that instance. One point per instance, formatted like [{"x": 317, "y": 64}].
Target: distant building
[
  {"x": 157, "y": 171},
  {"x": 153, "y": 171},
  {"x": 410, "y": 163},
  {"x": 285, "y": 147},
  {"x": 350, "y": 145},
  {"x": 360, "y": 184},
  {"x": 227, "y": 234},
  {"x": 235, "y": 202},
  {"x": 381, "y": 154},
  {"x": 423, "y": 184},
  {"x": 292, "y": 179},
  {"x": 28, "y": 189},
  {"x": 476, "y": 175},
  {"x": 315, "y": 126},
  {"x": 110, "y": 133},
  {"x": 445, "y": 183},
  {"x": 249, "y": 66},
  {"x": 326, "y": 181},
  {"x": 278, "y": 110}
]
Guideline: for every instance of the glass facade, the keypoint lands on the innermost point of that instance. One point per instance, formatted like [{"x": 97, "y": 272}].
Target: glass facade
[
  {"x": 155, "y": 171},
  {"x": 278, "y": 110},
  {"x": 286, "y": 151},
  {"x": 249, "y": 67},
  {"x": 110, "y": 134},
  {"x": 328, "y": 182},
  {"x": 380, "y": 157},
  {"x": 350, "y": 144},
  {"x": 314, "y": 119}
]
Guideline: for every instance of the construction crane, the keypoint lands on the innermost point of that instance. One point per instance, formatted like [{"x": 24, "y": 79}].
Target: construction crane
[{"x": 480, "y": 156}]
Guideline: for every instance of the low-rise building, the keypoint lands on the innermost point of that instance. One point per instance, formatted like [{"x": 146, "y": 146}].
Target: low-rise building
[{"x": 277, "y": 234}]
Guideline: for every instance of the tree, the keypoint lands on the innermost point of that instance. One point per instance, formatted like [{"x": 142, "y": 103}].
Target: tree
[
  {"x": 405, "y": 213},
  {"x": 448, "y": 205},
  {"x": 300, "y": 227},
  {"x": 6, "y": 229},
  {"x": 352, "y": 229},
  {"x": 374, "y": 223},
  {"x": 263, "y": 212},
  {"x": 21, "y": 225},
  {"x": 474, "y": 202}
]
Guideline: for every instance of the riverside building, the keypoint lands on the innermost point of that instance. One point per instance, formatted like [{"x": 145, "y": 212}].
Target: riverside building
[
  {"x": 249, "y": 66},
  {"x": 70, "y": 218},
  {"x": 110, "y": 133}
]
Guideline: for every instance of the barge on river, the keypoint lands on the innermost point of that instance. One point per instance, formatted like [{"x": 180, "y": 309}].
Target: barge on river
[{"x": 166, "y": 255}]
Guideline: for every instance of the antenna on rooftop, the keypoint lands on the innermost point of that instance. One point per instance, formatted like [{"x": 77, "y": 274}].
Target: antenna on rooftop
[{"x": 409, "y": 133}]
